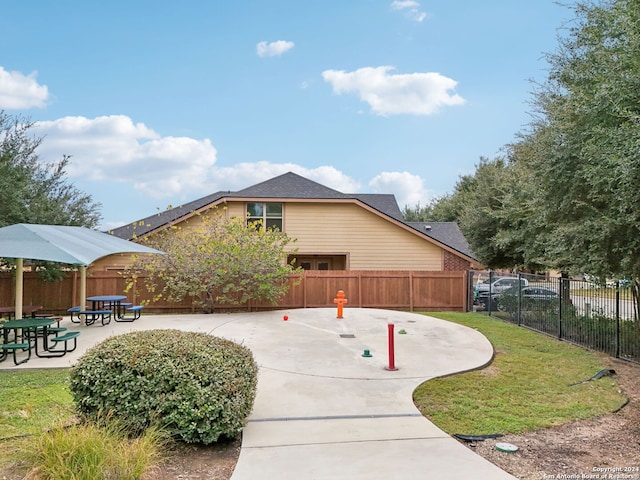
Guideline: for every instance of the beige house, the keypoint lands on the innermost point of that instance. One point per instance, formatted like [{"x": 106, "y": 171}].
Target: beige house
[{"x": 334, "y": 230}]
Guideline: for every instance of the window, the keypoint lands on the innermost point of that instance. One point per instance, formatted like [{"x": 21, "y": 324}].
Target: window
[
  {"x": 319, "y": 262},
  {"x": 268, "y": 215}
]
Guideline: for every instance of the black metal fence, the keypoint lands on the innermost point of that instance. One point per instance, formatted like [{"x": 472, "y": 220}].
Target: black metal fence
[{"x": 583, "y": 312}]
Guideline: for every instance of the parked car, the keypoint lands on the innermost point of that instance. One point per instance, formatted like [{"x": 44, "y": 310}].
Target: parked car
[
  {"x": 497, "y": 285},
  {"x": 533, "y": 297}
]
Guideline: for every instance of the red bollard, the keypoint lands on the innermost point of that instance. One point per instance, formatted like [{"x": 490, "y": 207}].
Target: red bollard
[{"x": 392, "y": 353}]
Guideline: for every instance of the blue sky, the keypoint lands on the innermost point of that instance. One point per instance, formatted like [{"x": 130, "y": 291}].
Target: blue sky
[{"x": 161, "y": 102}]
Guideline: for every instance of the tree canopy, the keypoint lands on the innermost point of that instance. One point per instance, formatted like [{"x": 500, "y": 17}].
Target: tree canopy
[
  {"x": 36, "y": 192},
  {"x": 565, "y": 195},
  {"x": 217, "y": 260}
]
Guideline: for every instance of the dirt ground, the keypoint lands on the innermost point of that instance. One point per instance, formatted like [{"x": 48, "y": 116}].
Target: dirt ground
[
  {"x": 198, "y": 462},
  {"x": 574, "y": 450},
  {"x": 603, "y": 447}
]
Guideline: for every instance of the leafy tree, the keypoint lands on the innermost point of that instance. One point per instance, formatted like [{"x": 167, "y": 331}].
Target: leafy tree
[
  {"x": 219, "y": 260},
  {"x": 417, "y": 213},
  {"x": 440, "y": 209},
  {"x": 486, "y": 200},
  {"x": 584, "y": 147},
  {"x": 36, "y": 192}
]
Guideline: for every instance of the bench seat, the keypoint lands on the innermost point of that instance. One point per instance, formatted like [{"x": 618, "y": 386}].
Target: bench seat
[
  {"x": 56, "y": 330},
  {"x": 90, "y": 316},
  {"x": 66, "y": 337},
  {"x": 6, "y": 347},
  {"x": 74, "y": 311},
  {"x": 135, "y": 311},
  {"x": 59, "y": 352}
]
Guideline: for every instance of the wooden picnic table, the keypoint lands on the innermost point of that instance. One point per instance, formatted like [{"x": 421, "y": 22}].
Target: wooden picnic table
[{"x": 27, "y": 310}]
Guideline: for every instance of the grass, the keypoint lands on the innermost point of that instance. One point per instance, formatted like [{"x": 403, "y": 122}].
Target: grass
[
  {"x": 529, "y": 385},
  {"x": 604, "y": 292},
  {"x": 33, "y": 400},
  {"x": 90, "y": 451},
  {"x": 40, "y": 436}
]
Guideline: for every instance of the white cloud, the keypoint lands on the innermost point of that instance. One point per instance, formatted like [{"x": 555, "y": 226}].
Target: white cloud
[
  {"x": 411, "y": 9},
  {"x": 19, "y": 91},
  {"x": 114, "y": 149},
  {"x": 389, "y": 94},
  {"x": 400, "y": 4},
  {"x": 273, "y": 49},
  {"x": 408, "y": 189}
]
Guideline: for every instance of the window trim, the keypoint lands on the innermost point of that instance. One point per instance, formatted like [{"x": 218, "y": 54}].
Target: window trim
[{"x": 265, "y": 217}]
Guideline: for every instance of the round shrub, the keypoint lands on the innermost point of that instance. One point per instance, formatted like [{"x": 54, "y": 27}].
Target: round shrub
[{"x": 197, "y": 386}]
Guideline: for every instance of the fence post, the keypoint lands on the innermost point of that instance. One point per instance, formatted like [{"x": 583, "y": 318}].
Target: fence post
[
  {"x": 617, "y": 319},
  {"x": 561, "y": 304},
  {"x": 489, "y": 302},
  {"x": 411, "y": 291},
  {"x": 519, "y": 299}
]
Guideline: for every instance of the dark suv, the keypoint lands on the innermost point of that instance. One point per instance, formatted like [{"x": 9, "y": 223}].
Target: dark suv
[{"x": 531, "y": 297}]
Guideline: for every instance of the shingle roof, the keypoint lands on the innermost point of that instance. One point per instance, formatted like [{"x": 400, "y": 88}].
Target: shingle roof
[
  {"x": 288, "y": 185},
  {"x": 447, "y": 233},
  {"x": 383, "y": 202},
  {"x": 291, "y": 185},
  {"x": 148, "y": 224}
]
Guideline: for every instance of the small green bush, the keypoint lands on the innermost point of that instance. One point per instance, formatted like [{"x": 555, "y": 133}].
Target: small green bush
[{"x": 196, "y": 386}]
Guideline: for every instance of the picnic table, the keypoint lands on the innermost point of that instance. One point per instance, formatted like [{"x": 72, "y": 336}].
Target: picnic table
[
  {"x": 27, "y": 310},
  {"x": 103, "y": 307},
  {"x": 108, "y": 302},
  {"x": 22, "y": 335}
]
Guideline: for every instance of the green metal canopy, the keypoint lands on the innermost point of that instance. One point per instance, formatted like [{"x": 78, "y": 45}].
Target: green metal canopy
[{"x": 61, "y": 244}]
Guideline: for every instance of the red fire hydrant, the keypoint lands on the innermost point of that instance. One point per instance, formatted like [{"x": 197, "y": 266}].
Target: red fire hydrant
[{"x": 340, "y": 301}]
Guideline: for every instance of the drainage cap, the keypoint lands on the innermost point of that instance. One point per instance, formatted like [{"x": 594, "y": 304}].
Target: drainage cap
[{"x": 506, "y": 447}]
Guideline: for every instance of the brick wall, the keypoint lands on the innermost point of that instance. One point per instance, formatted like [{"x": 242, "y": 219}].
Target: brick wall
[{"x": 454, "y": 263}]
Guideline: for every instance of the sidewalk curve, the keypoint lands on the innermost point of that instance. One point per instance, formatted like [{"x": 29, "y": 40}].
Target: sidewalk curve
[{"x": 325, "y": 411}]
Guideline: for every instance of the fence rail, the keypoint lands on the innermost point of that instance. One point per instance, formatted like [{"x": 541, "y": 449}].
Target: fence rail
[
  {"x": 400, "y": 290},
  {"x": 598, "y": 317}
]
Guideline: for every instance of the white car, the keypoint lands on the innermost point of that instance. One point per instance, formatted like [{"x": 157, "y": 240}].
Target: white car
[{"x": 499, "y": 284}]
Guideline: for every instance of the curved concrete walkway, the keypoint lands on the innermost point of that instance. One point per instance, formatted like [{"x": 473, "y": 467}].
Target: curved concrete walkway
[{"x": 323, "y": 410}]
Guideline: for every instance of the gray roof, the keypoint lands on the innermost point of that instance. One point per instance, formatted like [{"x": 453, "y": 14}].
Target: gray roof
[
  {"x": 447, "y": 233},
  {"x": 160, "y": 219},
  {"x": 291, "y": 185}
]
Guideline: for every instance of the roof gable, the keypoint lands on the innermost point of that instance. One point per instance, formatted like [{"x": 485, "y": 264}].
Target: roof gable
[{"x": 288, "y": 185}]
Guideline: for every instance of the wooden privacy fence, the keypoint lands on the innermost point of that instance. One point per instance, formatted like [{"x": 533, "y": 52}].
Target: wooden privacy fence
[{"x": 399, "y": 290}]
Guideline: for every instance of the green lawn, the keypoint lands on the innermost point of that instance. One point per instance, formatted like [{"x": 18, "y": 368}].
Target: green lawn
[
  {"x": 33, "y": 400},
  {"x": 529, "y": 385}
]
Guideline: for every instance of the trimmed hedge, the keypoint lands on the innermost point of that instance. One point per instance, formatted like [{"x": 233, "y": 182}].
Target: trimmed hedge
[{"x": 197, "y": 386}]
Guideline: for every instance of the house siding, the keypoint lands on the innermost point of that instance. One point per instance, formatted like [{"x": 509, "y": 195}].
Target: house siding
[{"x": 369, "y": 241}]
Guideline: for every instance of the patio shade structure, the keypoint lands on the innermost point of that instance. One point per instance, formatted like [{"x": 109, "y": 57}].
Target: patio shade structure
[{"x": 62, "y": 244}]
